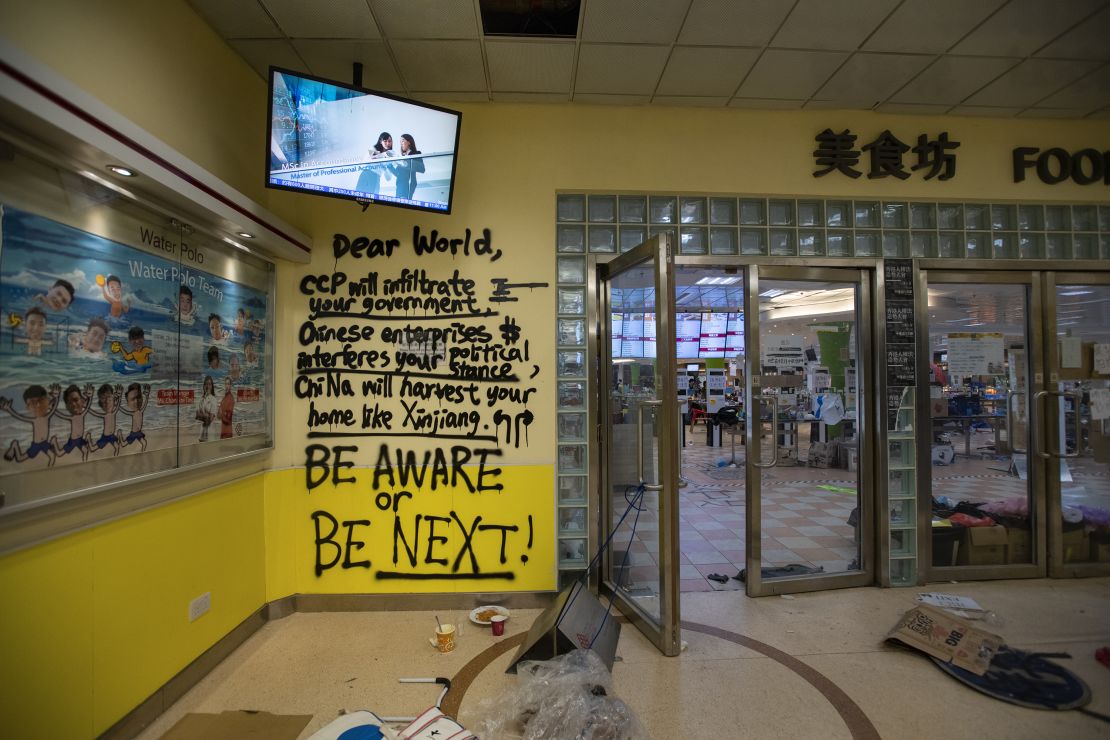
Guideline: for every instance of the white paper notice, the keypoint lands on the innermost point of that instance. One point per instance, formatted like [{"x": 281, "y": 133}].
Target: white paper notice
[
  {"x": 949, "y": 601},
  {"x": 974, "y": 353},
  {"x": 1102, "y": 359},
  {"x": 1100, "y": 403},
  {"x": 1071, "y": 352}
]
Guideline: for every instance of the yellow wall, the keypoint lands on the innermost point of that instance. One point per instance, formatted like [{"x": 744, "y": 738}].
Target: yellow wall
[{"x": 94, "y": 622}]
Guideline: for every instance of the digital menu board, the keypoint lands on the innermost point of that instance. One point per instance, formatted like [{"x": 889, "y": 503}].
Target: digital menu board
[{"x": 697, "y": 335}]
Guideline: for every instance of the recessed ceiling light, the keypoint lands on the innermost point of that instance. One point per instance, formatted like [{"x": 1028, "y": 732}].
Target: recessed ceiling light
[
  {"x": 121, "y": 171},
  {"x": 244, "y": 234}
]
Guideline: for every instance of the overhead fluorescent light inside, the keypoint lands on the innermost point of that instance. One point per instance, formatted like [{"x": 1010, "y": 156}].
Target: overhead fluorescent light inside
[
  {"x": 717, "y": 281},
  {"x": 530, "y": 18}
]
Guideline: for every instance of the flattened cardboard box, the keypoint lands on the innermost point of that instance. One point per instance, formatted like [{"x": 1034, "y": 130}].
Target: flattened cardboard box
[{"x": 937, "y": 633}]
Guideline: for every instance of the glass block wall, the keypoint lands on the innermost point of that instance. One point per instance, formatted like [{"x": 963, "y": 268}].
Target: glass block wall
[
  {"x": 813, "y": 227},
  {"x": 776, "y": 227}
]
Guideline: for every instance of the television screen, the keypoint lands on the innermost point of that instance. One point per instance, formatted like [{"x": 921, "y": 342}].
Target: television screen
[{"x": 334, "y": 139}]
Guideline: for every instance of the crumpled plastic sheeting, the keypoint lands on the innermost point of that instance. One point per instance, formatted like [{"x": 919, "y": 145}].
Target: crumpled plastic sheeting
[{"x": 569, "y": 697}]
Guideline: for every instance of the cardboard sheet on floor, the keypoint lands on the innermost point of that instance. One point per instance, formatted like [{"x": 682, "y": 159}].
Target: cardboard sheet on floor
[
  {"x": 951, "y": 639},
  {"x": 239, "y": 725}
]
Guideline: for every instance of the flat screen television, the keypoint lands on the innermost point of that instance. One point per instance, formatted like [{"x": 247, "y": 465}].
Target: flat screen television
[{"x": 332, "y": 139}]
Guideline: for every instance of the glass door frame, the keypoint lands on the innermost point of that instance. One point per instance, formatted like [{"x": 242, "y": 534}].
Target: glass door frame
[
  {"x": 971, "y": 274},
  {"x": 1057, "y": 568},
  {"x": 658, "y": 251},
  {"x": 868, "y": 415}
]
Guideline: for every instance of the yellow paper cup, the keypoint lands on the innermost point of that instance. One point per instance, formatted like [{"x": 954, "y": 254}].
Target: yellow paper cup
[{"x": 445, "y": 638}]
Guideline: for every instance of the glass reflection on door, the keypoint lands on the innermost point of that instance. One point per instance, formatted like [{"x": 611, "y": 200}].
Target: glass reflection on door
[
  {"x": 1082, "y": 421},
  {"x": 983, "y": 510},
  {"x": 808, "y": 428},
  {"x": 634, "y": 440}
]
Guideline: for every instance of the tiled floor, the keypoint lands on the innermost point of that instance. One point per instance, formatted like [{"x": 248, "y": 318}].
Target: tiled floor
[
  {"x": 805, "y": 519},
  {"x": 805, "y": 511},
  {"x": 807, "y": 666}
]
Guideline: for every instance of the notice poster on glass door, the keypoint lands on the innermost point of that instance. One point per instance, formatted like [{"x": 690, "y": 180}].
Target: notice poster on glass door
[
  {"x": 975, "y": 353},
  {"x": 782, "y": 352}
]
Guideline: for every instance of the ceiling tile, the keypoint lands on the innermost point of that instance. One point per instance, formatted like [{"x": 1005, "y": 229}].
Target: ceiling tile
[
  {"x": 705, "y": 71},
  {"x": 638, "y": 22},
  {"x": 729, "y": 23},
  {"x": 1104, "y": 113},
  {"x": 612, "y": 99},
  {"x": 834, "y": 105},
  {"x": 615, "y": 69},
  {"x": 335, "y": 59},
  {"x": 426, "y": 19},
  {"x": 261, "y": 53},
  {"x": 929, "y": 26},
  {"x": 1088, "y": 40},
  {"x": 446, "y": 97},
  {"x": 335, "y": 19},
  {"x": 440, "y": 65},
  {"x": 913, "y": 109},
  {"x": 704, "y": 101},
  {"x": 1092, "y": 91},
  {"x": 866, "y": 79},
  {"x": 523, "y": 97},
  {"x": 237, "y": 20},
  {"x": 765, "y": 103},
  {"x": 1030, "y": 81},
  {"x": 790, "y": 75},
  {"x": 530, "y": 66},
  {"x": 950, "y": 79},
  {"x": 984, "y": 111},
  {"x": 1054, "y": 113},
  {"x": 831, "y": 24},
  {"x": 1024, "y": 26}
]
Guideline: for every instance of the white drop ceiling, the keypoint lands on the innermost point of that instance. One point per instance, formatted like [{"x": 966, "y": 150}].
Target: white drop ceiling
[{"x": 998, "y": 58}]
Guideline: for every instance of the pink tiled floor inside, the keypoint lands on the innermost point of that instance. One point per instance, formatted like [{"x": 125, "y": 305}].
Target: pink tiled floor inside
[{"x": 805, "y": 514}]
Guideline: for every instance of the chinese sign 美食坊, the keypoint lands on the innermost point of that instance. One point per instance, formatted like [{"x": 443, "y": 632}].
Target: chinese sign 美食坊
[{"x": 836, "y": 151}]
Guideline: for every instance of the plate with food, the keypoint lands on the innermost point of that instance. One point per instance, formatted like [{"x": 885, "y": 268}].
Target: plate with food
[{"x": 482, "y": 614}]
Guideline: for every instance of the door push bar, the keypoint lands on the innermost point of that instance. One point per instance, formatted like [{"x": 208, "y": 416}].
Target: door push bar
[
  {"x": 774, "y": 430},
  {"x": 640, "y": 445},
  {"x": 1039, "y": 427}
]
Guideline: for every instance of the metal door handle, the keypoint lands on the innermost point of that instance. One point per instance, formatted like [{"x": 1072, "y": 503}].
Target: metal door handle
[
  {"x": 759, "y": 399},
  {"x": 678, "y": 441},
  {"x": 1010, "y": 424},
  {"x": 1035, "y": 423},
  {"x": 1062, "y": 453},
  {"x": 640, "y": 445}
]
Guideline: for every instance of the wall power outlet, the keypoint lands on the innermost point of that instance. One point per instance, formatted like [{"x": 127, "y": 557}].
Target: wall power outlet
[{"x": 200, "y": 606}]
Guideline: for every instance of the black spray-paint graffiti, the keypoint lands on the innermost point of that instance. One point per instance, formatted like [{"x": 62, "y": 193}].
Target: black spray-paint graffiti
[
  {"x": 420, "y": 540},
  {"x": 408, "y": 353}
]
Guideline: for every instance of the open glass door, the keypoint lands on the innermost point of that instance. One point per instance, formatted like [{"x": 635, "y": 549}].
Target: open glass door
[
  {"x": 1075, "y": 435},
  {"x": 640, "y": 441},
  {"x": 808, "y": 379}
]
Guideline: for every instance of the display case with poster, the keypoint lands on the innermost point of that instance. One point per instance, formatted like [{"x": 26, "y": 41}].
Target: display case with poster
[{"x": 130, "y": 344}]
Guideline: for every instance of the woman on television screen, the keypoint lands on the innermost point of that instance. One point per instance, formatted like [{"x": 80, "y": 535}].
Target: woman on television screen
[
  {"x": 406, "y": 170},
  {"x": 369, "y": 180}
]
